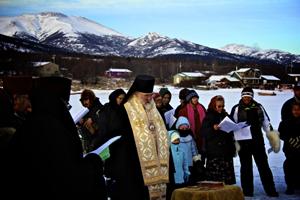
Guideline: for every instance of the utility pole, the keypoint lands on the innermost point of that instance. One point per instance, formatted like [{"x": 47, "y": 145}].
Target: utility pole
[{"x": 180, "y": 67}]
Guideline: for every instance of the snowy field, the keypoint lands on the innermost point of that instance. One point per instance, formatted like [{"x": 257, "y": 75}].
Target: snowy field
[{"x": 272, "y": 104}]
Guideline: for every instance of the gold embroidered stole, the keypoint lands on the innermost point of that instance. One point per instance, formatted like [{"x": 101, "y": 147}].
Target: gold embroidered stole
[{"x": 152, "y": 147}]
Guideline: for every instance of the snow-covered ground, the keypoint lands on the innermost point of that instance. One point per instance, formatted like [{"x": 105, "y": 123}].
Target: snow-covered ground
[{"x": 272, "y": 104}]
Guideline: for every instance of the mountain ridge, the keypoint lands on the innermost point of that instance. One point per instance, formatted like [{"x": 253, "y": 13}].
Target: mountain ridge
[{"x": 81, "y": 35}]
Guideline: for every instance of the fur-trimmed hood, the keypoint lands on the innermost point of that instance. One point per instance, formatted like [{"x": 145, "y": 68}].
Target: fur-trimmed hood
[
  {"x": 87, "y": 94},
  {"x": 6, "y": 134}
]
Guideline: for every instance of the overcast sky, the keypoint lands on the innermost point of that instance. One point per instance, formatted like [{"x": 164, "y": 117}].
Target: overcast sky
[{"x": 265, "y": 24}]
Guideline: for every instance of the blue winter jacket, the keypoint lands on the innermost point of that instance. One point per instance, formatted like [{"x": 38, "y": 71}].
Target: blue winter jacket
[
  {"x": 180, "y": 161},
  {"x": 189, "y": 146},
  {"x": 187, "y": 143}
]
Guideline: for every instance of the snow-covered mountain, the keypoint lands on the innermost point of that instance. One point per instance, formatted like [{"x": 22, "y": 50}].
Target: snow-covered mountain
[
  {"x": 80, "y": 35},
  {"x": 275, "y": 55},
  {"x": 70, "y": 33},
  {"x": 45, "y": 24}
]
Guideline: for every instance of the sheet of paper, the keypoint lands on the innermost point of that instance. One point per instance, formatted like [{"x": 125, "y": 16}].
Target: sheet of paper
[
  {"x": 228, "y": 125},
  {"x": 167, "y": 115},
  {"x": 172, "y": 120},
  {"x": 104, "y": 147},
  {"x": 80, "y": 114},
  {"x": 243, "y": 134}
]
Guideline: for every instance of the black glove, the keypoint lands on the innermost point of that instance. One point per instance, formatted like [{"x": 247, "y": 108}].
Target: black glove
[
  {"x": 199, "y": 166},
  {"x": 295, "y": 142}
]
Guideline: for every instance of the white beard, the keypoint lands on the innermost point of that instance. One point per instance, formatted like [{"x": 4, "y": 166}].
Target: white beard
[{"x": 146, "y": 106}]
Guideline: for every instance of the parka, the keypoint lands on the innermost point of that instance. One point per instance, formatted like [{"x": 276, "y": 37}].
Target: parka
[
  {"x": 180, "y": 161},
  {"x": 93, "y": 114},
  {"x": 187, "y": 141},
  {"x": 290, "y": 129},
  {"x": 217, "y": 142}
]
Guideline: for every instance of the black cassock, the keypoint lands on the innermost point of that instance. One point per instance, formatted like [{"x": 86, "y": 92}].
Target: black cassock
[{"x": 43, "y": 160}]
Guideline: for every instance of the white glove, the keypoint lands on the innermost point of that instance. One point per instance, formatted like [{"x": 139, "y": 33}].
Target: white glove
[
  {"x": 198, "y": 157},
  {"x": 273, "y": 137}
]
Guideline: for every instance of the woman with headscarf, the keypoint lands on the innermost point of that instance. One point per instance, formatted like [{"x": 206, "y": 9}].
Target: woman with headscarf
[
  {"x": 105, "y": 118},
  {"x": 109, "y": 109},
  {"x": 219, "y": 145}
]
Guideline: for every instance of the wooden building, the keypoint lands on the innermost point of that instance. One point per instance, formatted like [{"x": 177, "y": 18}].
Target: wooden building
[
  {"x": 46, "y": 68},
  {"x": 291, "y": 78},
  {"x": 117, "y": 73},
  {"x": 248, "y": 77},
  {"x": 177, "y": 78}
]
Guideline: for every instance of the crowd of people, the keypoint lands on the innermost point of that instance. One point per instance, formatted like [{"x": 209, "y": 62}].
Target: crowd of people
[{"x": 42, "y": 148}]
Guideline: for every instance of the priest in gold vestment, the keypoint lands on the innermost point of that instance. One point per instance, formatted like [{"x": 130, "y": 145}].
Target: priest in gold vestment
[{"x": 139, "y": 160}]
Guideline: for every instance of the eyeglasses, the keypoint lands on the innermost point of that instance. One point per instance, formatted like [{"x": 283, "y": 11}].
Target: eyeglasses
[{"x": 221, "y": 106}]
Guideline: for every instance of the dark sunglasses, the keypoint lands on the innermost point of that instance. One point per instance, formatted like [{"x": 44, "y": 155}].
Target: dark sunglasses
[
  {"x": 221, "y": 106},
  {"x": 83, "y": 98}
]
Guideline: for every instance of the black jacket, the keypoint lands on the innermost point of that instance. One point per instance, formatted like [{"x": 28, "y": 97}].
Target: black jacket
[
  {"x": 287, "y": 108},
  {"x": 43, "y": 160},
  {"x": 93, "y": 114},
  {"x": 217, "y": 143},
  {"x": 290, "y": 129}
]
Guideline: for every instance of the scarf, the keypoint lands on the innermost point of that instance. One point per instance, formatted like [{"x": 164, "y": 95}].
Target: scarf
[
  {"x": 242, "y": 115},
  {"x": 212, "y": 104},
  {"x": 191, "y": 118},
  {"x": 152, "y": 147}
]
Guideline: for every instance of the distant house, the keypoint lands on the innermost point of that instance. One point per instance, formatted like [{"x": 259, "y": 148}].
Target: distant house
[
  {"x": 291, "y": 78},
  {"x": 117, "y": 73},
  {"x": 248, "y": 77},
  {"x": 177, "y": 78},
  {"x": 46, "y": 68},
  {"x": 225, "y": 80},
  {"x": 270, "y": 79}
]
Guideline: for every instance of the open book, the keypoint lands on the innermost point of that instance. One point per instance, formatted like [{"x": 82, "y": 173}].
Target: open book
[{"x": 103, "y": 151}]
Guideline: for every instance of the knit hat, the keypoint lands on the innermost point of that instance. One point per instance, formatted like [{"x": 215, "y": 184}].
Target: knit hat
[
  {"x": 182, "y": 121},
  {"x": 190, "y": 94},
  {"x": 184, "y": 126},
  {"x": 297, "y": 86},
  {"x": 174, "y": 136},
  {"x": 164, "y": 91},
  {"x": 247, "y": 92},
  {"x": 182, "y": 93},
  {"x": 157, "y": 97}
]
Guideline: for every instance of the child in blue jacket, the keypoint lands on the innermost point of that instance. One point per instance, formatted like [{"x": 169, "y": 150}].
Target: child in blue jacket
[
  {"x": 180, "y": 163},
  {"x": 188, "y": 143}
]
